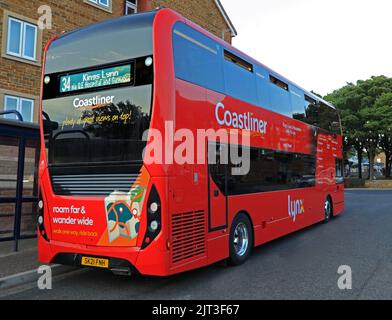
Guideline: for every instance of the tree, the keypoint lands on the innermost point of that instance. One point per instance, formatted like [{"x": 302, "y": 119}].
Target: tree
[
  {"x": 376, "y": 110},
  {"x": 380, "y": 120},
  {"x": 348, "y": 102},
  {"x": 365, "y": 109},
  {"x": 386, "y": 147}
]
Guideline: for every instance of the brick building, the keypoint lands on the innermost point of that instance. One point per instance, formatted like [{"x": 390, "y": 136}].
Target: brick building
[{"x": 22, "y": 41}]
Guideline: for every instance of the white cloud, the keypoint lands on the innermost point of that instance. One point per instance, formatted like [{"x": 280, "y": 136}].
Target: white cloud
[{"x": 319, "y": 44}]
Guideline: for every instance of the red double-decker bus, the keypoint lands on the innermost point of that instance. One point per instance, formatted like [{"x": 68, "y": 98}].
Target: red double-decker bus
[{"x": 103, "y": 203}]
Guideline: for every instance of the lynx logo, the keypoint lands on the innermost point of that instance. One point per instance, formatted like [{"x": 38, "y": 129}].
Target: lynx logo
[{"x": 295, "y": 207}]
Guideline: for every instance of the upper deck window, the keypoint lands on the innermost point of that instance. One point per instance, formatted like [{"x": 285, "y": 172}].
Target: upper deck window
[
  {"x": 197, "y": 58},
  {"x": 202, "y": 61},
  {"x": 279, "y": 83},
  {"x": 322, "y": 116},
  {"x": 240, "y": 81},
  {"x": 297, "y": 103},
  {"x": 238, "y": 61},
  {"x": 101, "y": 44},
  {"x": 280, "y": 100}
]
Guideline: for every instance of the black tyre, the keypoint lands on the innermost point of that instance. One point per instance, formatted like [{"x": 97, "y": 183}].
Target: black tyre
[
  {"x": 240, "y": 240},
  {"x": 328, "y": 212}
]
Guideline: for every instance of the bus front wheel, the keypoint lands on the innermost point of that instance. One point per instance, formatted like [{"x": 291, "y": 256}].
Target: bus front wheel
[{"x": 241, "y": 240}]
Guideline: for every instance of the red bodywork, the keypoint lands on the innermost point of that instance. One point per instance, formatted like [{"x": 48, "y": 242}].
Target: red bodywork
[{"x": 192, "y": 107}]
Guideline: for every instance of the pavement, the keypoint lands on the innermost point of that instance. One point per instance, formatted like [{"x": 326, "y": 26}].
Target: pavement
[
  {"x": 303, "y": 265},
  {"x": 24, "y": 259},
  {"x": 18, "y": 270}
]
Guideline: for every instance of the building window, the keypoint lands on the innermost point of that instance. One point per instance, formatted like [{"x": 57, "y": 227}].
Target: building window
[
  {"x": 130, "y": 6},
  {"x": 102, "y": 4},
  {"x": 24, "y": 106},
  {"x": 22, "y": 39}
]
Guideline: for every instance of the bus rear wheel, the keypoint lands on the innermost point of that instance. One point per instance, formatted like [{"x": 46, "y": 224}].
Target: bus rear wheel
[
  {"x": 327, "y": 209},
  {"x": 240, "y": 240}
]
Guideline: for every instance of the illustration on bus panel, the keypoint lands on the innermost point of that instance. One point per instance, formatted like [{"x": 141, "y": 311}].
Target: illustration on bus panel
[{"x": 123, "y": 212}]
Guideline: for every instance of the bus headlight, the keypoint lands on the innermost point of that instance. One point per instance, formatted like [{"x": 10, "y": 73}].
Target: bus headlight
[
  {"x": 148, "y": 62},
  {"x": 47, "y": 80},
  {"x": 154, "y": 217}
]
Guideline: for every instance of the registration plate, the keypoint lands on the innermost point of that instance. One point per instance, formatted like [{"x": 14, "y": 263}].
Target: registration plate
[{"x": 95, "y": 262}]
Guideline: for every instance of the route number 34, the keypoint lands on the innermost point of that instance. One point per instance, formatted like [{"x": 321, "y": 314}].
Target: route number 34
[{"x": 66, "y": 84}]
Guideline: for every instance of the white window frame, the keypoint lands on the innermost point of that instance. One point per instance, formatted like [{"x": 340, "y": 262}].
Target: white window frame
[
  {"x": 99, "y": 3},
  {"x": 17, "y": 54},
  {"x": 22, "y": 40},
  {"x": 34, "y": 58},
  {"x": 129, "y": 4},
  {"x": 19, "y": 102}
]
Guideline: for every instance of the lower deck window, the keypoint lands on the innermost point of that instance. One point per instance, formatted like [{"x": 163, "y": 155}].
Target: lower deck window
[{"x": 270, "y": 170}]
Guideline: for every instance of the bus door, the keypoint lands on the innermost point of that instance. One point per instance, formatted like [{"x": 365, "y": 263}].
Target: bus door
[{"x": 217, "y": 186}]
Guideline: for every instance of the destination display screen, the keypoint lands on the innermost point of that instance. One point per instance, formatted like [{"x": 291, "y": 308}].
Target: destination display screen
[{"x": 97, "y": 78}]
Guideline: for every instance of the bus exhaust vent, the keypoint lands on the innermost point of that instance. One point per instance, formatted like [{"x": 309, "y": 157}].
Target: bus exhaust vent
[
  {"x": 188, "y": 235},
  {"x": 92, "y": 185}
]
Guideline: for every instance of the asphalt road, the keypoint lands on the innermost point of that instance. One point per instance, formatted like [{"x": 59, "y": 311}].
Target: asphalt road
[{"x": 299, "y": 266}]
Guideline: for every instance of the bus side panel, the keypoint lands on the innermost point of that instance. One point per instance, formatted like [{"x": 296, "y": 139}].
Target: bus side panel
[
  {"x": 268, "y": 211},
  {"x": 329, "y": 149},
  {"x": 272, "y": 213},
  {"x": 338, "y": 194},
  {"x": 179, "y": 104},
  {"x": 188, "y": 214},
  {"x": 338, "y": 207}
]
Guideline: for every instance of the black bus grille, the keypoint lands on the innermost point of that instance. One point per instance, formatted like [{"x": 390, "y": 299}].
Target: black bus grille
[{"x": 92, "y": 184}]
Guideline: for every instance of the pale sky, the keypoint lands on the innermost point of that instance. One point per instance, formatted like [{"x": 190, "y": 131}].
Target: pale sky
[{"x": 318, "y": 44}]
